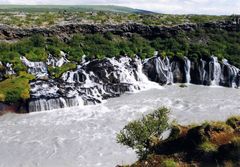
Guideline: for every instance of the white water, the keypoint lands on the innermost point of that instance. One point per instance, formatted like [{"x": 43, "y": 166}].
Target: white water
[
  {"x": 215, "y": 70},
  {"x": 85, "y": 137},
  {"x": 187, "y": 69}
]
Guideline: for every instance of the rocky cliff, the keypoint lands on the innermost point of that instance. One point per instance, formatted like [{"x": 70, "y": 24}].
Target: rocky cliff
[{"x": 65, "y": 31}]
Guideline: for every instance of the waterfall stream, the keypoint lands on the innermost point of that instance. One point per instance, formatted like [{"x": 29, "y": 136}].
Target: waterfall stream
[{"x": 97, "y": 80}]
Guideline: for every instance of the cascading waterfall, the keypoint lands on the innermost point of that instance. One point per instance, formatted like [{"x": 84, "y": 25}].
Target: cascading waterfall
[
  {"x": 39, "y": 69},
  {"x": 89, "y": 87},
  {"x": 187, "y": 68},
  {"x": 96, "y": 80},
  {"x": 233, "y": 74},
  {"x": 9, "y": 69},
  {"x": 214, "y": 71},
  {"x": 57, "y": 62}
]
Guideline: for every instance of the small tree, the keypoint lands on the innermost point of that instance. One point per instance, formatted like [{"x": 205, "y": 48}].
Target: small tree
[{"x": 140, "y": 134}]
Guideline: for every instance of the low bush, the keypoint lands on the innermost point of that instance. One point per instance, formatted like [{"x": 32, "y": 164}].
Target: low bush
[{"x": 140, "y": 134}]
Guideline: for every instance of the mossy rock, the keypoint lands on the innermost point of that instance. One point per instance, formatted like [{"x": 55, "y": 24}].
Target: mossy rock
[
  {"x": 231, "y": 151},
  {"x": 207, "y": 151},
  {"x": 234, "y": 122},
  {"x": 196, "y": 136},
  {"x": 200, "y": 134},
  {"x": 175, "y": 132},
  {"x": 217, "y": 127},
  {"x": 183, "y": 86},
  {"x": 178, "y": 131}
]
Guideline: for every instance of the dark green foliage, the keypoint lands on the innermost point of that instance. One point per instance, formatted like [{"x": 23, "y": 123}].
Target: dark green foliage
[
  {"x": 53, "y": 51},
  {"x": 37, "y": 41},
  {"x": 12, "y": 96},
  {"x": 141, "y": 133}
]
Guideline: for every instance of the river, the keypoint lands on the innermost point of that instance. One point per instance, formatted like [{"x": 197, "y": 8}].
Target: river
[{"x": 86, "y": 136}]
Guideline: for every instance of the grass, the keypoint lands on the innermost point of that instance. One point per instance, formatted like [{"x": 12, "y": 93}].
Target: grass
[
  {"x": 15, "y": 89},
  {"x": 207, "y": 147},
  {"x": 35, "y": 16}
]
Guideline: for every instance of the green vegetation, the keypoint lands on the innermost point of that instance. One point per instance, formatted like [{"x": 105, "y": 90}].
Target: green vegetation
[
  {"x": 35, "y": 16},
  {"x": 15, "y": 89},
  {"x": 56, "y": 72},
  {"x": 141, "y": 134},
  {"x": 195, "y": 45},
  {"x": 67, "y": 8},
  {"x": 209, "y": 144},
  {"x": 207, "y": 147}
]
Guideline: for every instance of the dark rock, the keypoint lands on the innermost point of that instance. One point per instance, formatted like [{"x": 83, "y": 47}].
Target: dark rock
[{"x": 65, "y": 31}]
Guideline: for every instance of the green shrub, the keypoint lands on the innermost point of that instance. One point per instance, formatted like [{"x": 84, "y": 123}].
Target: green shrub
[
  {"x": 38, "y": 40},
  {"x": 139, "y": 134},
  {"x": 54, "y": 51}
]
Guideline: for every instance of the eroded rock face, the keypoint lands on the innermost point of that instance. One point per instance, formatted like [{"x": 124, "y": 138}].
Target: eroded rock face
[{"x": 64, "y": 31}]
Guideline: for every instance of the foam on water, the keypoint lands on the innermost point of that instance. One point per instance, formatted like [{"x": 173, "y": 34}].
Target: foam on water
[{"x": 85, "y": 136}]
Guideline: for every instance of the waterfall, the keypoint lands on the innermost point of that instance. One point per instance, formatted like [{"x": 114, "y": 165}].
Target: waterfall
[
  {"x": 163, "y": 70},
  {"x": 9, "y": 69},
  {"x": 214, "y": 71},
  {"x": 57, "y": 62},
  {"x": 96, "y": 80},
  {"x": 111, "y": 78},
  {"x": 233, "y": 74},
  {"x": 187, "y": 68},
  {"x": 55, "y": 103},
  {"x": 39, "y": 69}
]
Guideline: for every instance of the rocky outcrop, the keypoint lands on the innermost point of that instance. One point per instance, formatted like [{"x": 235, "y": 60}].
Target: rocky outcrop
[
  {"x": 65, "y": 31},
  {"x": 14, "y": 108}
]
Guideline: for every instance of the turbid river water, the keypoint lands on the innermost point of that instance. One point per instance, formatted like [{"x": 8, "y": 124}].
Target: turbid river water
[{"x": 86, "y": 136}]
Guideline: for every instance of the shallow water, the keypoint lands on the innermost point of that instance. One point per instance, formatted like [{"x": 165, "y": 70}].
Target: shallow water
[{"x": 86, "y": 136}]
